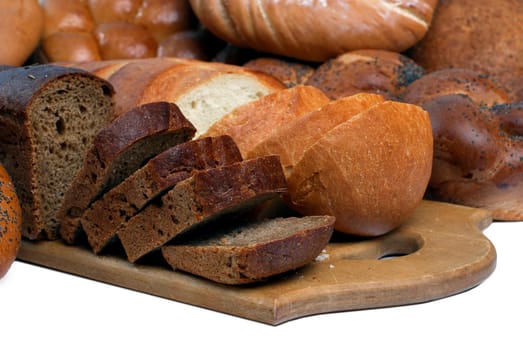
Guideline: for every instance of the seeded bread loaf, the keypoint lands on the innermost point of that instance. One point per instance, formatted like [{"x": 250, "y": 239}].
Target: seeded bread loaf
[
  {"x": 49, "y": 116},
  {"x": 372, "y": 71},
  {"x": 117, "y": 151},
  {"x": 251, "y": 252},
  {"x": 204, "y": 91},
  {"x": 254, "y": 122},
  {"x": 477, "y": 141},
  {"x": 103, "y": 219},
  {"x": 207, "y": 195},
  {"x": 291, "y": 73}
]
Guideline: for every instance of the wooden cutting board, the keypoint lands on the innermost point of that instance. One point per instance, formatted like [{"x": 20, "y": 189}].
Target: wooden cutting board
[{"x": 438, "y": 252}]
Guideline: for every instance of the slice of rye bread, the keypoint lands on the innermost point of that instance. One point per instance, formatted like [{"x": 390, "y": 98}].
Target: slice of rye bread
[
  {"x": 251, "y": 252},
  {"x": 117, "y": 151},
  {"x": 208, "y": 195},
  {"x": 103, "y": 219},
  {"x": 49, "y": 116}
]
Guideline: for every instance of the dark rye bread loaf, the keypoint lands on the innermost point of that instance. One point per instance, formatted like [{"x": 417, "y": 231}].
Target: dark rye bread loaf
[
  {"x": 251, "y": 252},
  {"x": 49, "y": 116},
  {"x": 107, "y": 215},
  {"x": 117, "y": 151},
  {"x": 207, "y": 195}
]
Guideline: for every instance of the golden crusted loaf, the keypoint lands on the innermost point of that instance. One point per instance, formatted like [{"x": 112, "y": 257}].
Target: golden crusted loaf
[{"x": 315, "y": 30}]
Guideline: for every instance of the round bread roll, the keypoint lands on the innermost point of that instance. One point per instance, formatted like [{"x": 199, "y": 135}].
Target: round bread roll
[
  {"x": 10, "y": 222},
  {"x": 372, "y": 71},
  {"x": 291, "y": 73},
  {"x": 86, "y": 30},
  {"x": 316, "y": 30},
  {"x": 478, "y": 141},
  {"x": 370, "y": 172},
  {"x": 482, "y": 35},
  {"x": 21, "y": 25}
]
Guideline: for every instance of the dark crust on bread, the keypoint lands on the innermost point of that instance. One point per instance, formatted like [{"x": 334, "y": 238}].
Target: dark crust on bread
[
  {"x": 221, "y": 257},
  {"x": 207, "y": 195},
  {"x": 20, "y": 89},
  {"x": 105, "y": 216},
  {"x": 119, "y": 150}
]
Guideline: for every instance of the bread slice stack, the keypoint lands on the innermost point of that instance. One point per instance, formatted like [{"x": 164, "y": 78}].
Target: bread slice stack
[{"x": 145, "y": 183}]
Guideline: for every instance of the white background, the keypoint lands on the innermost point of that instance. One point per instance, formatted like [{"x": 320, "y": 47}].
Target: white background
[{"x": 46, "y": 309}]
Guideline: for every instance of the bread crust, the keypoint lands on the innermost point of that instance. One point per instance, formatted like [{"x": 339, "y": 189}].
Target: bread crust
[
  {"x": 21, "y": 151},
  {"x": 252, "y": 252},
  {"x": 316, "y": 31},
  {"x": 103, "y": 219},
  {"x": 207, "y": 195},
  {"x": 370, "y": 172},
  {"x": 481, "y": 35},
  {"x": 117, "y": 151}
]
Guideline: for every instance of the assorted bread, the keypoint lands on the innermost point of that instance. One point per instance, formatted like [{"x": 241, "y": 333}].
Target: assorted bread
[{"x": 181, "y": 157}]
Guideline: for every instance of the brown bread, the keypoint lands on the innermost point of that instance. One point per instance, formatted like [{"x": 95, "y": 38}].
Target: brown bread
[
  {"x": 48, "y": 118},
  {"x": 116, "y": 152},
  {"x": 251, "y": 252},
  {"x": 207, "y": 195},
  {"x": 107, "y": 215}
]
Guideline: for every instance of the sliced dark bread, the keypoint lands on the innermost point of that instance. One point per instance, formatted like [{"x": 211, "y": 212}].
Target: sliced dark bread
[
  {"x": 117, "y": 151},
  {"x": 49, "y": 116},
  {"x": 103, "y": 219},
  {"x": 252, "y": 252},
  {"x": 207, "y": 195}
]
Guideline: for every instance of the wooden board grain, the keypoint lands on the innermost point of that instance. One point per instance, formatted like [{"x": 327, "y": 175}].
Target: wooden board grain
[{"x": 438, "y": 252}]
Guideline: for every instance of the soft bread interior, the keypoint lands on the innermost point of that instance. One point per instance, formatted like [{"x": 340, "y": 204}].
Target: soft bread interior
[{"x": 207, "y": 103}]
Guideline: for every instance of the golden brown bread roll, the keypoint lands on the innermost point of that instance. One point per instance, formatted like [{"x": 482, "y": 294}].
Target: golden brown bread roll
[
  {"x": 120, "y": 28},
  {"x": 21, "y": 25},
  {"x": 482, "y": 35},
  {"x": 291, "y": 73},
  {"x": 316, "y": 30},
  {"x": 478, "y": 141},
  {"x": 372, "y": 71}
]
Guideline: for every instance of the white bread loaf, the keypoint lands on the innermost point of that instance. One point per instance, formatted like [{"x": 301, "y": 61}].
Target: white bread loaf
[
  {"x": 370, "y": 171},
  {"x": 290, "y": 141},
  {"x": 317, "y": 30},
  {"x": 253, "y": 123},
  {"x": 204, "y": 91}
]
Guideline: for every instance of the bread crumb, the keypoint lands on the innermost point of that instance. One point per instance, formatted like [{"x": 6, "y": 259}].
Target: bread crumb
[{"x": 323, "y": 256}]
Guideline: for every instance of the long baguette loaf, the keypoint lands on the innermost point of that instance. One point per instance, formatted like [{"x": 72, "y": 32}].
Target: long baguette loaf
[
  {"x": 117, "y": 151},
  {"x": 48, "y": 118},
  {"x": 103, "y": 219},
  {"x": 204, "y": 91}
]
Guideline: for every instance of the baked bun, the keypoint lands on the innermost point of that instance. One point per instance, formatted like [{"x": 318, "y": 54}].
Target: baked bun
[
  {"x": 21, "y": 24},
  {"x": 10, "y": 222},
  {"x": 371, "y": 71},
  {"x": 370, "y": 171},
  {"x": 79, "y": 31},
  {"x": 478, "y": 142},
  {"x": 291, "y": 73},
  {"x": 315, "y": 31},
  {"x": 482, "y": 35}
]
